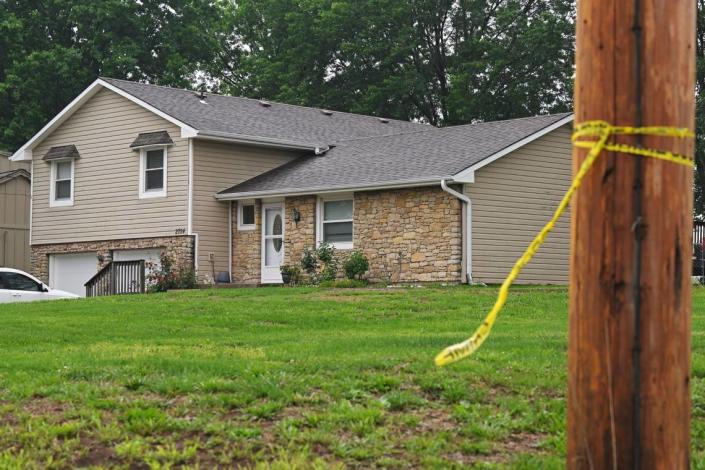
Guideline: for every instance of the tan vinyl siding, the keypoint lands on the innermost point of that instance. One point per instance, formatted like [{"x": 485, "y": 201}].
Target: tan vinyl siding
[
  {"x": 14, "y": 223},
  {"x": 217, "y": 166},
  {"x": 106, "y": 199},
  {"x": 512, "y": 198}
]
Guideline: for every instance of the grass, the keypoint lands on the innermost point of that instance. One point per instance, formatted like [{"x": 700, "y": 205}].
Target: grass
[{"x": 291, "y": 378}]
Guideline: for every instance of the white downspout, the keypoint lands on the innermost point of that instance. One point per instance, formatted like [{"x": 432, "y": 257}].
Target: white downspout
[
  {"x": 230, "y": 240},
  {"x": 468, "y": 227}
]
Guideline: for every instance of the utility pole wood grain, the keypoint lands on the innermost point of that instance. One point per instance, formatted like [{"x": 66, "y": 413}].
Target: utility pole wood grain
[{"x": 630, "y": 304}]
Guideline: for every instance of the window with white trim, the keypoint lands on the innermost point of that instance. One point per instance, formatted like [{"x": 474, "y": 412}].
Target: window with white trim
[
  {"x": 246, "y": 215},
  {"x": 61, "y": 193},
  {"x": 336, "y": 221},
  {"x": 153, "y": 172}
]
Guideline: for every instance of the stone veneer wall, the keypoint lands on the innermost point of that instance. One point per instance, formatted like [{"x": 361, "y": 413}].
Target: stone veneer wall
[
  {"x": 298, "y": 236},
  {"x": 409, "y": 235},
  {"x": 180, "y": 248},
  {"x": 247, "y": 245}
]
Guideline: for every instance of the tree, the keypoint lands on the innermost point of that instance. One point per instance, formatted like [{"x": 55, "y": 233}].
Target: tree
[
  {"x": 699, "y": 200},
  {"x": 50, "y": 50},
  {"x": 440, "y": 61}
]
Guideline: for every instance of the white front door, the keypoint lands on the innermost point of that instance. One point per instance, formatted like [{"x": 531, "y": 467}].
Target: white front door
[{"x": 272, "y": 242}]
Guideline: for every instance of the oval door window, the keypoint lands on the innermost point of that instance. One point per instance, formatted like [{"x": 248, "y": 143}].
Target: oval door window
[{"x": 277, "y": 230}]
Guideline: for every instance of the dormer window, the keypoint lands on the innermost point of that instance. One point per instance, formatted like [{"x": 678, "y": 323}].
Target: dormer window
[
  {"x": 62, "y": 160},
  {"x": 153, "y": 157},
  {"x": 153, "y": 172},
  {"x": 61, "y": 183}
]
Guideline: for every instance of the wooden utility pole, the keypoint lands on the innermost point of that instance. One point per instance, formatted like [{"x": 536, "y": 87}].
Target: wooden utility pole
[{"x": 630, "y": 304}]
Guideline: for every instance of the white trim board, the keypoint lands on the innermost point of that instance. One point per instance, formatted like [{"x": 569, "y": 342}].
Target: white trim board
[{"x": 468, "y": 175}]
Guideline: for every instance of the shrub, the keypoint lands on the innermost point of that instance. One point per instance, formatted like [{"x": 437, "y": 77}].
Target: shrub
[
  {"x": 309, "y": 261},
  {"x": 356, "y": 265},
  {"x": 163, "y": 277},
  {"x": 186, "y": 279},
  {"x": 326, "y": 253},
  {"x": 326, "y": 270}
]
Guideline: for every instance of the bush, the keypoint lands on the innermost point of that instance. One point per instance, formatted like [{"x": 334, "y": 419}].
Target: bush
[
  {"x": 326, "y": 253},
  {"x": 356, "y": 265},
  {"x": 163, "y": 277},
  {"x": 310, "y": 263},
  {"x": 344, "y": 283}
]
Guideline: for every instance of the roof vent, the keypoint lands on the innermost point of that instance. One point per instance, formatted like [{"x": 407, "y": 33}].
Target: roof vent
[
  {"x": 265, "y": 103},
  {"x": 201, "y": 95},
  {"x": 327, "y": 112},
  {"x": 383, "y": 120}
]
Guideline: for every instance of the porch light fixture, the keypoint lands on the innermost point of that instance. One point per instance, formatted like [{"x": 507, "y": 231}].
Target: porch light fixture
[{"x": 295, "y": 215}]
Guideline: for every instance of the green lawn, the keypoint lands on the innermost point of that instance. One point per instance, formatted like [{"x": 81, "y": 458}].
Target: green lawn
[{"x": 282, "y": 378}]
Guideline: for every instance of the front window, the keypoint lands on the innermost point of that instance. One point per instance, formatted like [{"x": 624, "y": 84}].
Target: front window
[
  {"x": 62, "y": 183},
  {"x": 246, "y": 215},
  {"x": 153, "y": 169},
  {"x": 16, "y": 281},
  {"x": 337, "y": 223}
]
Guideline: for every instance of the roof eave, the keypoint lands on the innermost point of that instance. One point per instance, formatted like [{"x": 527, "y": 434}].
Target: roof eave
[
  {"x": 256, "y": 141},
  {"x": 329, "y": 190}
]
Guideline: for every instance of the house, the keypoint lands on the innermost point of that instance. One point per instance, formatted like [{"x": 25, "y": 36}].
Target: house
[
  {"x": 14, "y": 213},
  {"x": 237, "y": 187}
]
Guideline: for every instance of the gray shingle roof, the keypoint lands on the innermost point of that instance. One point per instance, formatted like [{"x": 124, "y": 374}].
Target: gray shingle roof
[
  {"x": 427, "y": 155},
  {"x": 63, "y": 151},
  {"x": 244, "y": 116},
  {"x": 152, "y": 138}
]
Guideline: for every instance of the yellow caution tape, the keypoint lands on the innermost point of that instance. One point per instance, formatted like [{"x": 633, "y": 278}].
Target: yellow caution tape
[{"x": 598, "y": 134}]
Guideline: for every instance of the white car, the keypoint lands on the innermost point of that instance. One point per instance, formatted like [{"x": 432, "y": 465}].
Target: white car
[{"x": 18, "y": 286}]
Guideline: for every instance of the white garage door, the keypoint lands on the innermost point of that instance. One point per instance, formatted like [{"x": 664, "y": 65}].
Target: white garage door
[
  {"x": 150, "y": 255},
  {"x": 70, "y": 272}
]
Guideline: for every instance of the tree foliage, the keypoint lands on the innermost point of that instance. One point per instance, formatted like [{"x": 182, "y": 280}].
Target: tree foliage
[
  {"x": 699, "y": 203},
  {"x": 441, "y": 61},
  {"x": 50, "y": 50}
]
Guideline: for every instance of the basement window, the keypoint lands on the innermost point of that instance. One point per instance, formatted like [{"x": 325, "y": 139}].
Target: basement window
[
  {"x": 336, "y": 221},
  {"x": 246, "y": 215},
  {"x": 61, "y": 183},
  {"x": 152, "y": 172}
]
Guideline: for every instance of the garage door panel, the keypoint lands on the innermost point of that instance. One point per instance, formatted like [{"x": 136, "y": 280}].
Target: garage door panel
[
  {"x": 151, "y": 257},
  {"x": 70, "y": 272}
]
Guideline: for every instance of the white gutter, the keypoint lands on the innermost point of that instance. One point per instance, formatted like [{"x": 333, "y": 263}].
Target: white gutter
[
  {"x": 467, "y": 233},
  {"x": 325, "y": 190},
  {"x": 254, "y": 140}
]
